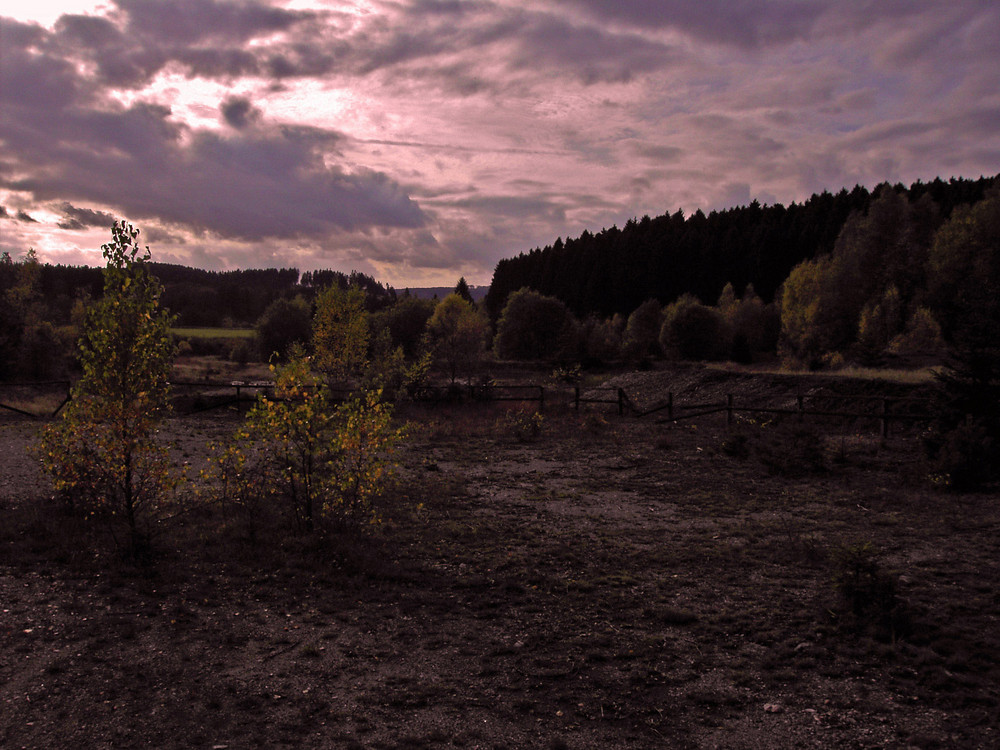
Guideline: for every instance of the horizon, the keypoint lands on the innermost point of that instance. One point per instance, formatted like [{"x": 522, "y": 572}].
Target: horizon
[{"x": 420, "y": 142}]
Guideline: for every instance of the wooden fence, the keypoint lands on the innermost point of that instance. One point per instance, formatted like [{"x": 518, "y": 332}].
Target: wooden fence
[
  {"x": 192, "y": 397},
  {"x": 881, "y": 409}
]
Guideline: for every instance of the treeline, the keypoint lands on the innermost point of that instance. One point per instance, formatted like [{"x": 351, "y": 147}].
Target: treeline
[
  {"x": 42, "y": 306},
  {"x": 616, "y": 270},
  {"x": 893, "y": 287}
]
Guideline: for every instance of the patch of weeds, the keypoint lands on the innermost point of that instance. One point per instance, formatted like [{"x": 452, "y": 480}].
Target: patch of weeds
[
  {"x": 736, "y": 444},
  {"x": 310, "y": 651},
  {"x": 790, "y": 451},
  {"x": 523, "y": 426},
  {"x": 868, "y": 595},
  {"x": 593, "y": 423},
  {"x": 964, "y": 459}
]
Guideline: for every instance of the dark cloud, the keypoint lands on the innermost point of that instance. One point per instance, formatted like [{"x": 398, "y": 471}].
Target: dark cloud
[
  {"x": 188, "y": 22},
  {"x": 745, "y": 23},
  {"x": 239, "y": 112},
  {"x": 90, "y": 32},
  {"x": 24, "y": 216},
  {"x": 81, "y": 218},
  {"x": 510, "y": 122},
  {"x": 264, "y": 182}
]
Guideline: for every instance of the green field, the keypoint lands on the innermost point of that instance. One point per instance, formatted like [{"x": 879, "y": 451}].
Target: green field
[{"x": 213, "y": 333}]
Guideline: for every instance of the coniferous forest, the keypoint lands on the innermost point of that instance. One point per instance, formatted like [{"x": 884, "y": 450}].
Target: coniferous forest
[{"x": 616, "y": 270}]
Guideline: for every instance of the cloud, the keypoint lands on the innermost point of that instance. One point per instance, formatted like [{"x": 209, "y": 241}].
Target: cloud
[
  {"x": 198, "y": 21},
  {"x": 81, "y": 218},
  {"x": 744, "y": 23},
  {"x": 66, "y": 141},
  {"x": 239, "y": 112},
  {"x": 419, "y": 137}
]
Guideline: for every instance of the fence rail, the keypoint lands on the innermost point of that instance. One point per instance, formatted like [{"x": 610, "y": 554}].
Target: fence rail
[
  {"x": 885, "y": 414},
  {"x": 192, "y": 397}
]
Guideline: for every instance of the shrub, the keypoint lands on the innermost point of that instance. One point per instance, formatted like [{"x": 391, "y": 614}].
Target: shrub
[
  {"x": 790, "y": 451},
  {"x": 693, "y": 331},
  {"x": 523, "y": 426},
  {"x": 298, "y": 452},
  {"x": 283, "y": 324},
  {"x": 965, "y": 458},
  {"x": 867, "y": 595}
]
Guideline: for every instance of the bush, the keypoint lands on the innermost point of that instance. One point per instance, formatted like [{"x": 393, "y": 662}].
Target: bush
[
  {"x": 788, "y": 450},
  {"x": 242, "y": 351},
  {"x": 867, "y": 595},
  {"x": 535, "y": 326},
  {"x": 695, "y": 332},
  {"x": 523, "y": 426},
  {"x": 300, "y": 455},
  {"x": 966, "y": 457}
]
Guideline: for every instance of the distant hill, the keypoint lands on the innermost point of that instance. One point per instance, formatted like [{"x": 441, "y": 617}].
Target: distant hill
[{"x": 429, "y": 292}]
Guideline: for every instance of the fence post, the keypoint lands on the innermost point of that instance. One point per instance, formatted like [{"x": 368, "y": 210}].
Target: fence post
[
  {"x": 670, "y": 404},
  {"x": 541, "y": 398},
  {"x": 729, "y": 409},
  {"x": 802, "y": 407},
  {"x": 884, "y": 421},
  {"x": 621, "y": 402},
  {"x": 576, "y": 397}
]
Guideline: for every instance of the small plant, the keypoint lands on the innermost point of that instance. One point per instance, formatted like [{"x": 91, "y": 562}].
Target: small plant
[
  {"x": 965, "y": 458},
  {"x": 790, "y": 451},
  {"x": 569, "y": 374},
  {"x": 737, "y": 445},
  {"x": 867, "y": 594},
  {"x": 523, "y": 426}
]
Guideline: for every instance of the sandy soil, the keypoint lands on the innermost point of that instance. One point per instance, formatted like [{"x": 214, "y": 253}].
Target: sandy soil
[{"x": 616, "y": 582}]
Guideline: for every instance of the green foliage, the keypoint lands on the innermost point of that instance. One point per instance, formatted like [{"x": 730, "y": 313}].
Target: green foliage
[
  {"x": 458, "y": 335},
  {"x": 283, "y": 324},
  {"x": 102, "y": 453},
  {"x": 523, "y": 426},
  {"x": 921, "y": 338},
  {"x": 880, "y": 322},
  {"x": 694, "y": 331},
  {"x": 462, "y": 290},
  {"x": 965, "y": 269},
  {"x": 642, "y": 331},
  {"x": 32, "y": 347},
  {"x": 299, "y": 452},
  {"x": 341, "y": 333},
  {"x": 389, "y": 371},
  {"x": 868, "y": 596},
  {"x": 406, "y": 322},
  {"x": 808, "y": 312},
  {"x": 754, "y": 326},
  {"x": 602, "y": 339},
  {"x": 534, "y": 326},
  {"x": 858, "y": 298}
]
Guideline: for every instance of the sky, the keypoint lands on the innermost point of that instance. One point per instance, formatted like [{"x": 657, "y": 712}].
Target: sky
[{"x": 423, "y": 140}]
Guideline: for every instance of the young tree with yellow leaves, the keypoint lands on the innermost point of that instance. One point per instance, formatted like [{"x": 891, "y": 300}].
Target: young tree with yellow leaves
[{"x": 102, "y": 453}]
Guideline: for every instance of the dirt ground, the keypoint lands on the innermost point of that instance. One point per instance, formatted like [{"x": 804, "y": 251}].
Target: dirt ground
[{"x": 610, "y": 582}]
